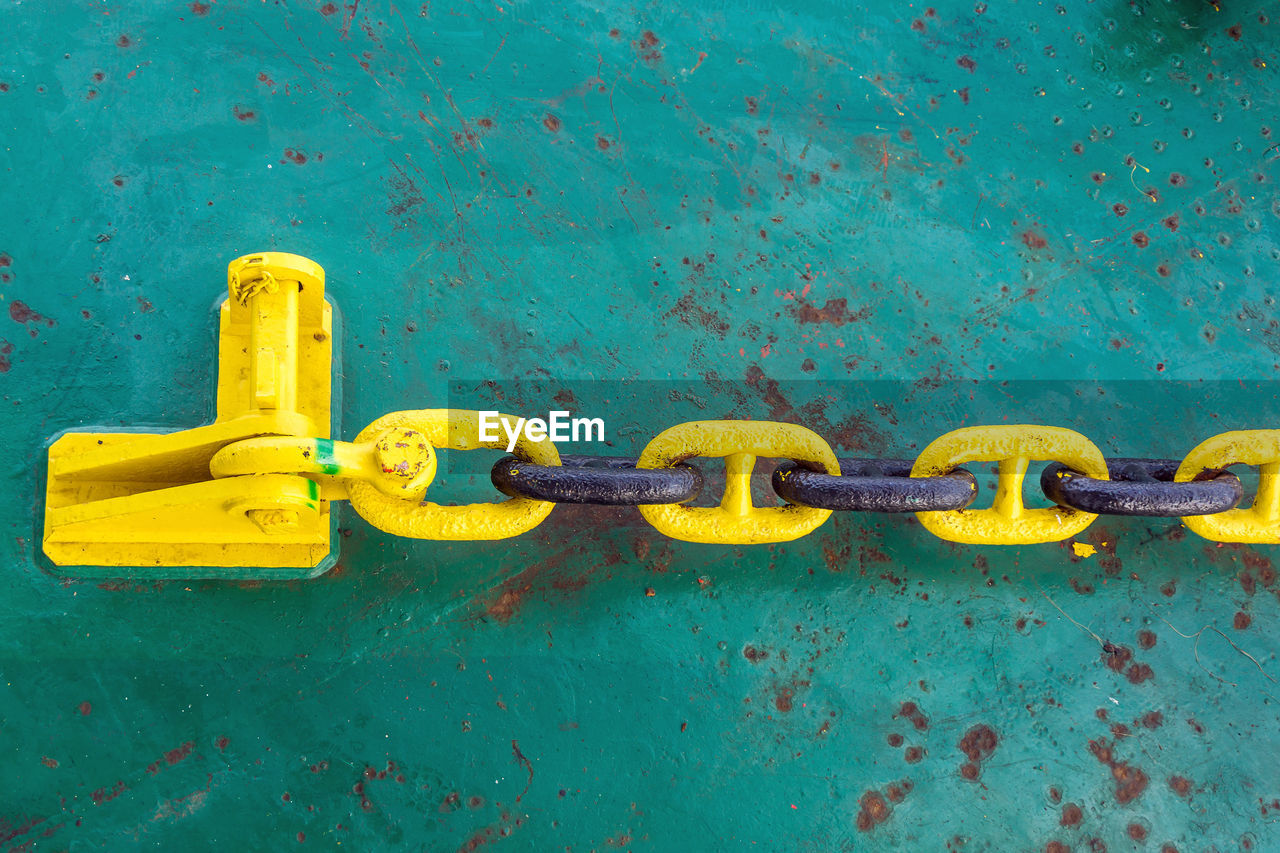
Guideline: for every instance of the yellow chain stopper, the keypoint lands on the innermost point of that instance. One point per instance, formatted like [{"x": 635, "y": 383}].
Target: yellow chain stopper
[
  {"x": 736, "y": 521},
  {"x": 147, "y": 501},
  {"x": 1259, "y": 523},
  {"x": 1008, "y": 521},
  {"x": 451, "y": 429}
]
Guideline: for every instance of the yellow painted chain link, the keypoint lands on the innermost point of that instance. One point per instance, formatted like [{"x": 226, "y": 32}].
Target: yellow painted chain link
[
  {"x": 736, "y": 521},
  {"x": 1259, "y": 523},
  {"x": 450, "y": 429},
  {"x": 1008, "y": 521}
]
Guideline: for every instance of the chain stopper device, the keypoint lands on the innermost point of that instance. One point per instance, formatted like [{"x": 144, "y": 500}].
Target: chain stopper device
[{"x": 150, "y": 501}]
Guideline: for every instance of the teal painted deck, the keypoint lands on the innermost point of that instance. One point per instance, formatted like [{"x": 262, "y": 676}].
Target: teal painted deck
[{"x": 880, "y": 221}]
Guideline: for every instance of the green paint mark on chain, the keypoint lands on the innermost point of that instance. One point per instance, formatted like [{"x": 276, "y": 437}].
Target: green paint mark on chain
[{"x": 325, "y": 458}]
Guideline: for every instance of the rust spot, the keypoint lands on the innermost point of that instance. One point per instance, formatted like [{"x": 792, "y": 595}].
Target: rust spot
[
  {"x": 690, "y": 312},
  {"x": 295, "y": 156},
  {"x": 1119, "y": 209},
  {"x": 102, "y": 795},
  {"x": 911, "y": 711},
  {"x": 1152, "y": 720},
  {"x": 834, "y": 312},
  {"x": 874, "y": 810},
  {"x": 1116, "y": 657},
  {"x": 244, "y": 115},
  {"x": 895, "y": 740},
  {"x": 1180, "y": 785},
  {"x": 552, "y": 122},
  {"x": 20, "y": 312},
  {"x": 329, "y": 9},
  {"x": 753, "y": 654},
  {"x": 783, "y": 700},
  {"x": 124, "y": 41},
  {"x": 1139, "y": 673},
  {"x": 913, "y": 754},
  {"x": 1034, "y": 240},
  {"x": 966, "y": 63},
  {"x": 1242, "y": 620},
  {"x": 1130, "y": 781},
  {"x": 1071, "y": 815},
  {"x": 602, "y": 143},
  {"x": 1141, "y": 240},
  {"x": 173, "y": 756},
  {"x": 1170, "y": 222},
  {"x": 1136, "y": 831},
  {"x": 199, "y": 9},
  {"x": 753, "y": 105},
  {"x": 979, "y": 742},
  {"x": 1235, "y": 31}
]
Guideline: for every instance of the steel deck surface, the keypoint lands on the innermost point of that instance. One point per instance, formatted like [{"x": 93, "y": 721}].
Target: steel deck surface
[{"x": 882, "y": 221}]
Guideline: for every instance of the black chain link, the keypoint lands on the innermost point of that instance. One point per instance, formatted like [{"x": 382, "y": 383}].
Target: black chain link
[
  {"x": 874, "y": 485},
  {"x": 1141, "y": 487},
  {"x": 603, "y": 480}
]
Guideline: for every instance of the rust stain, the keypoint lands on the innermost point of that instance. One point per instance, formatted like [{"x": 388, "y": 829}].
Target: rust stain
[{"x": 834, "y": 312}]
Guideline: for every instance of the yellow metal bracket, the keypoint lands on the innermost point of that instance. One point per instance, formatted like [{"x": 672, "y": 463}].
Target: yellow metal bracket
[{"x": 150, "y": 500}]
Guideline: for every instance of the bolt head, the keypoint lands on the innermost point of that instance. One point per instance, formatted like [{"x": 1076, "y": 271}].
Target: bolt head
[{"x": 406, "y": 461}]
